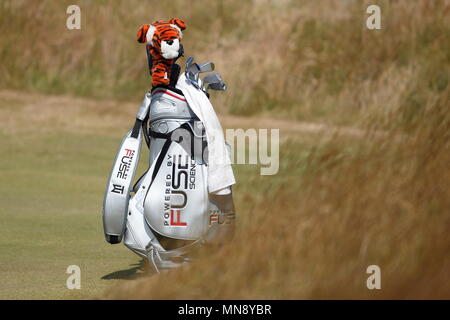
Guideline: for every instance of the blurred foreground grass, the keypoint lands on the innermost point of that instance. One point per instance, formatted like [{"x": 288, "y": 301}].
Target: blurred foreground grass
[{"x": 341, "y": 205}]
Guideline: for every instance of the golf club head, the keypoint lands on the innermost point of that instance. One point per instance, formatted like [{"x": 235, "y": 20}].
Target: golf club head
[
  {"x": 217, "y": 86},
  {"x": 213, "y": 78},
  {"x": 197, "y": 68},
  {"x": 206, "y": 67},
  {"x": 189, "y": 62},
  {"x": 191, "y": 71},
  {"x": 193, "y": 68}
]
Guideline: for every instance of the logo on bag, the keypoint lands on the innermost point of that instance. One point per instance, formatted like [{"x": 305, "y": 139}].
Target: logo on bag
[
  {"x": 125, "y": 164},
  {"x": 117, "y": 188},
  {"x": 175, "y": 218},
  {"x": 176, "y": 184},
  {"x": 219, "y": 217}
]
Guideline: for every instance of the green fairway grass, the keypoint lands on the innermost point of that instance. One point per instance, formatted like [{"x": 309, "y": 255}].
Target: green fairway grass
[
  {"x": 52, "y": 180},
  {"x": 51, "y": 191}
]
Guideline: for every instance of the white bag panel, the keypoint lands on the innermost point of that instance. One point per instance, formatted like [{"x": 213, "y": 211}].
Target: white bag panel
[
  {"x": 115, "y": 203},
  {"x": 176, "y": 204}
]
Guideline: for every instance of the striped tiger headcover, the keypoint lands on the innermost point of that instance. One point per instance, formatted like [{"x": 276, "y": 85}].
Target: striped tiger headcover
[{"x": 163, "y": 44}]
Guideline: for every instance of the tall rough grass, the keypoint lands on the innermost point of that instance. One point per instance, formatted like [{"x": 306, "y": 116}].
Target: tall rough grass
[{"x": 307, "y": 60}]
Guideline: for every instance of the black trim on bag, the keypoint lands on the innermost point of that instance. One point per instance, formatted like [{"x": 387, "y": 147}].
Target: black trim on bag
[{"x": 163, "y": 152}]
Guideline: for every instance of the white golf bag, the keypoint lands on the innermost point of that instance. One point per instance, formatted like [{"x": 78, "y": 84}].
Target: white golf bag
[{"x": 168, "y": 214}]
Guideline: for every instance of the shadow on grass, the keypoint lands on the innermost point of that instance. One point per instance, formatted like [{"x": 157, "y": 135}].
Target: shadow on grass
[{"x": 137, "y": 270}]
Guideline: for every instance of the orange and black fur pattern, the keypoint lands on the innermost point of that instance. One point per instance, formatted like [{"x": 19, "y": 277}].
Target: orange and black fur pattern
[{"x": 163, "y": 47}]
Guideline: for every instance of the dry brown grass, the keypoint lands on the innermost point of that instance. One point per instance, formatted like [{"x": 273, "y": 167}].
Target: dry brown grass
[{"x": 304, "y": 60}]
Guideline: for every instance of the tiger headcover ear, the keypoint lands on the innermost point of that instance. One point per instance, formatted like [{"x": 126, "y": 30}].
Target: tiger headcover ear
[
  {"x": 178, "y": 22},
  {"x": 142, "y": 33}
]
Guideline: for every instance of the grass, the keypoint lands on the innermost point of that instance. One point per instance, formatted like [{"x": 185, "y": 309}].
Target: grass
[
  {"x": 51, "y": 195},
  {"x": 304, "y": 60},
  {"x": 364, "y": 123}
]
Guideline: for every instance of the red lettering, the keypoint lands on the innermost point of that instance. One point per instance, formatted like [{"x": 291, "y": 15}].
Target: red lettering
[
  {"x": 129, "y": 152},
  {"x": 176, "y": 221}
]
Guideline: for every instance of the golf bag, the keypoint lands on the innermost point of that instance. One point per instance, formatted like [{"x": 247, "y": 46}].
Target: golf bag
[{"x": 168, "y": 213}]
